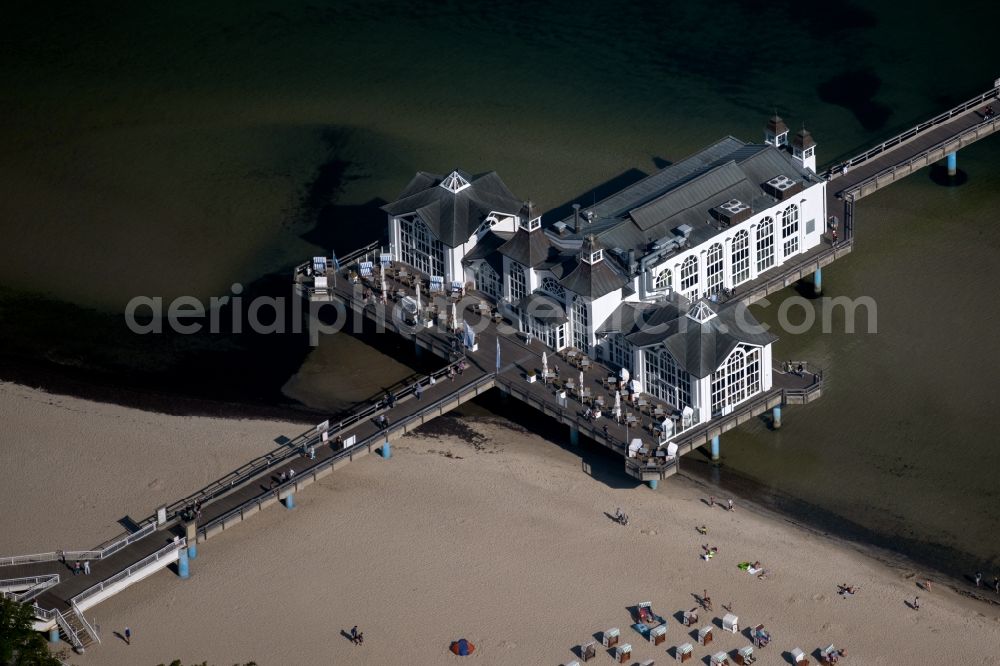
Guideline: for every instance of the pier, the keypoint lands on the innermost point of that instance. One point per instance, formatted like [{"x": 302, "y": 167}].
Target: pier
[{"x": 501, "y": 359}]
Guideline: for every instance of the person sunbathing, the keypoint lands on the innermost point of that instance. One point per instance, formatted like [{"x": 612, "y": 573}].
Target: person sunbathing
[{"x": 702, "y": 530}]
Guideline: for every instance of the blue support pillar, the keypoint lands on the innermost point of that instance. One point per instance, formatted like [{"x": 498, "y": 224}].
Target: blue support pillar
[
  {"x": 776, "y": 417},
  {"x": 952, "y": 164},
  {"x": 289, "y": 501},
  {"x": 192, "y": 550},
  {"x": 652, "y": 484},
  {"x": 574, "y": 436},
  {"x": 715, "y": 448},
  {"x": 818, "y": 281},
  {"x": 183, "y": 567},
  {"x": 54, "y": 634},
  {"x": 386, "y": 450},
  {"x": 191, "y": 532}
]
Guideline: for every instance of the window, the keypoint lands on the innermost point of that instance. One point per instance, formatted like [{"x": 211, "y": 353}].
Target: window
[
  {"x": 419, "y": 247},
  {"x": 621, "y": 351},
  {"x": 488, "y": 282},
  {"x": 689, "y": 278},
  {"x": 741, "y": 257},
  {"x": 737, "y": 379},
  {"x": 664, "y": 280},
  {"x": 581, "y": 325},
  {"x": 554, "y": 288},
  {"x": 714, "y": 269},
  {"x": 665, "y": 379},
  {"x": 518, "y": 284},
  {"x": 765, "y": 244},
  {"x": 790, "y": 230}
]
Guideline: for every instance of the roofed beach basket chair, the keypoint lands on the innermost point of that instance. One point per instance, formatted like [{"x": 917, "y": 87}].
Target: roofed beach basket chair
[
  {"x": 690, "y": 617},
  {"x": 799, "y": 657},
  {"x": 720, "y": 659},
  {"x": 744, "y": 656},
  {"x": 683, "y": 652},
  {"x": 731, "y": 623},
  {"x": 658, "y": 634},
  {"x": 588, "y": 650},
  {"x": 705, "y": 635},
  {"x": 610, "y": 637},
  {"x": 462, "y": 647},
  {"x": 623, "y": 653}
]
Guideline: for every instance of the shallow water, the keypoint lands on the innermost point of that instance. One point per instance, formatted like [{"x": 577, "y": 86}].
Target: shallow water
[{"x": 178, "y": 153}]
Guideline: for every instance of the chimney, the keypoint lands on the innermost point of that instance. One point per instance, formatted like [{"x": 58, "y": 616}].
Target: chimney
[{"x": 576, "y": 218}]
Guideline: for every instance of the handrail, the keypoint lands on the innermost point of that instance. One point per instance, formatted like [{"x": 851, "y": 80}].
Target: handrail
[
  {"x": 68, "y": 629},
  {"x": 913, "y": 131},
  {"x": 177, "y": 544},
  {"x": 218, "y": 520},
  {"x": 957, "y": 137},
  {"x": 36, "y": 585},
  {"x": 100, "y": 553},
  {"x": 83, "y": 620}
]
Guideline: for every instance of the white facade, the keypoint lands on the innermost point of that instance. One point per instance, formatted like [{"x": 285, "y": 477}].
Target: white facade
[{"x": 741, "y": 253}]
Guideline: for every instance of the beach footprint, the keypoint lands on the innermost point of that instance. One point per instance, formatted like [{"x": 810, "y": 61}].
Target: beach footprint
[{"x": 155, "y": 484}]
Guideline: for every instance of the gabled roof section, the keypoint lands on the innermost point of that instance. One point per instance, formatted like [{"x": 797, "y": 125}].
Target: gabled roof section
[
  {"x": 486, "y": 249},
  {"x": 700, "y": 337},
  {"x": 592, "y": 280},
  {"x": 452, "y": 210},
  {"x": 702, "y": 189}
]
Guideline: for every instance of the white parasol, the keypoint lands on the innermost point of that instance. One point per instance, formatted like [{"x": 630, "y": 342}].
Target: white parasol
[
  {"x": 418, "y": 295},
  {"x": 454, "y": 315},
  {"x": 618, "y": 406},
  {"x": 545, "y": 366},
  {"x": 581, "y": 382},
  {"x": 624, "y": 375}
]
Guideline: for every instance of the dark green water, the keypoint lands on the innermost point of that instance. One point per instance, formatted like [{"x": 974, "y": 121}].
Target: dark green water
[{"x": 179, "y": 151}]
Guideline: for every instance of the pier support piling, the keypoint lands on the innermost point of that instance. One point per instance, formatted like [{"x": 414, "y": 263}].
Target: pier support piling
[
  {"x": 952, "y": 163},
  {"x": 289, "y": 501},
  {"x": 776, "y": 417},
  {"x": 183, "y": 566},
  {"x": 818, "y": 281},
  {"x": 574, "y": 436},
  {"x": 191, "y": 532},
  {"x": 652, "y": 483},
  {"x": 385, "y": 450},
  {"x": 54, "y": 634},
  {"x": 715, "y": 448}
]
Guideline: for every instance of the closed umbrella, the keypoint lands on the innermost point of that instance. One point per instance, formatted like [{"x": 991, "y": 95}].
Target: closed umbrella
[
  {"x": 618, "y": 406},
  {"x": 454, "y": 315},
  {"x": 624, "y": 376},
  {"x": 418, "y": 295},
  {"x": 545, "y": 366},
  {"x": 581, "y": 381}
]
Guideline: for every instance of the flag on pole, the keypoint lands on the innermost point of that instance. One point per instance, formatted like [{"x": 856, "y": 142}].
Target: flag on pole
[
  {"x": 335, "y": 262},
  {"x": 498, "y": 354},
  {"x": 469, "y": 336}
]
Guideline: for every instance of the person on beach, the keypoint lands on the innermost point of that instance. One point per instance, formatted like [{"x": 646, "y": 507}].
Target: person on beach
[
  {"x": 418, "y": 390},
  {"x": 996, "y": 584},
  {"x": 916, "y": 603},
  {"x": 291, "y": 473},
  {"x": 979, "y": 579},
  {"x": 361, "y": 638},
  {"x": 86, "y": 567},
  {"x": 354, "y": 634},
  {"x": 706, "y": 600},
  {"x": 731, "y": 507},
  {"x": 128, "y": 636},
  {"x": 77, "y": 568},
  {"x": 711, "y": 500},
  {"x": 702, "y": 529}
]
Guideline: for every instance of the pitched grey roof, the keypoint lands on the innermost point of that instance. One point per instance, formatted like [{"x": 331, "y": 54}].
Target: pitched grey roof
[
  {"x": 592, "y": 280},
  {"x": 453, "y": 217},
  {"x": 699, "y": 348},
  {"x": 685, "y": 192},
  {"x": 486, "y": 248},
  {"x": 528, "y": 248},
  {"x": 543, "y": 308}
]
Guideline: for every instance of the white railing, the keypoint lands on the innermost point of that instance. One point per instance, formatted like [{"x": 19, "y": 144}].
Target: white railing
[
  {"x": 35, "y": 586},
  {"x": 69, "y": 631},
  {"x": 167, "y": 550},
  {"x": 83, "y": 620},
  {"x": 69, "y": 555}
]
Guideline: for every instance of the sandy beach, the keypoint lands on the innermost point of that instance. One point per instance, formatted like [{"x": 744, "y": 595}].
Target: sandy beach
[{"x": 505, "y": 540}]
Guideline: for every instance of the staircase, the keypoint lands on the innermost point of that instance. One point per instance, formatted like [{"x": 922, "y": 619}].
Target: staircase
[{"x": 75, "y": 630}]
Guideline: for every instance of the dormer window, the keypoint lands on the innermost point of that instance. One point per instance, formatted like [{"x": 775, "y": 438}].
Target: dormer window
[
  {"x": 532, "y": 224},
  {"x": 594, "y": 256}
]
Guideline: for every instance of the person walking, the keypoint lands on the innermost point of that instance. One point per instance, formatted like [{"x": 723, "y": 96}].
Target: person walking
[
  {"x": 711, "y": 500},
  {"x": 418, "y": 390},
  {"x": 128, "y": 636},
  {"x": 979, "y": 579},
  {"x": 731, "y": 506},
  {"x": 354, "y": 634},
  {"x": 77, "y": 568},
  {"x": 996, "y": 584},
  {"x": 86, "y": 567},
  {"x": 916, "y": 603},
  {"x": 361, "y": 638}
]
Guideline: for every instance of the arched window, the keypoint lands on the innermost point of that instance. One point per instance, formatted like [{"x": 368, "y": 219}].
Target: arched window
[
  {"x": 714, "y": 268},
  {"x": 581, "y": 325},
  {"x": 488, "y": 282},
  {"x": 665, "y": 379},
  {"x": 552, "y": 287},
  {"x": 689, "y": 277},
  {"x": 420, "y": 248},
  {"x": 664, "y": 280},
  {"x": 737, "y": 379},
  {"x": 765, "y": 244},
  {"x": 790, "y": 231},
  {"x": 741, "y": 257}
]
